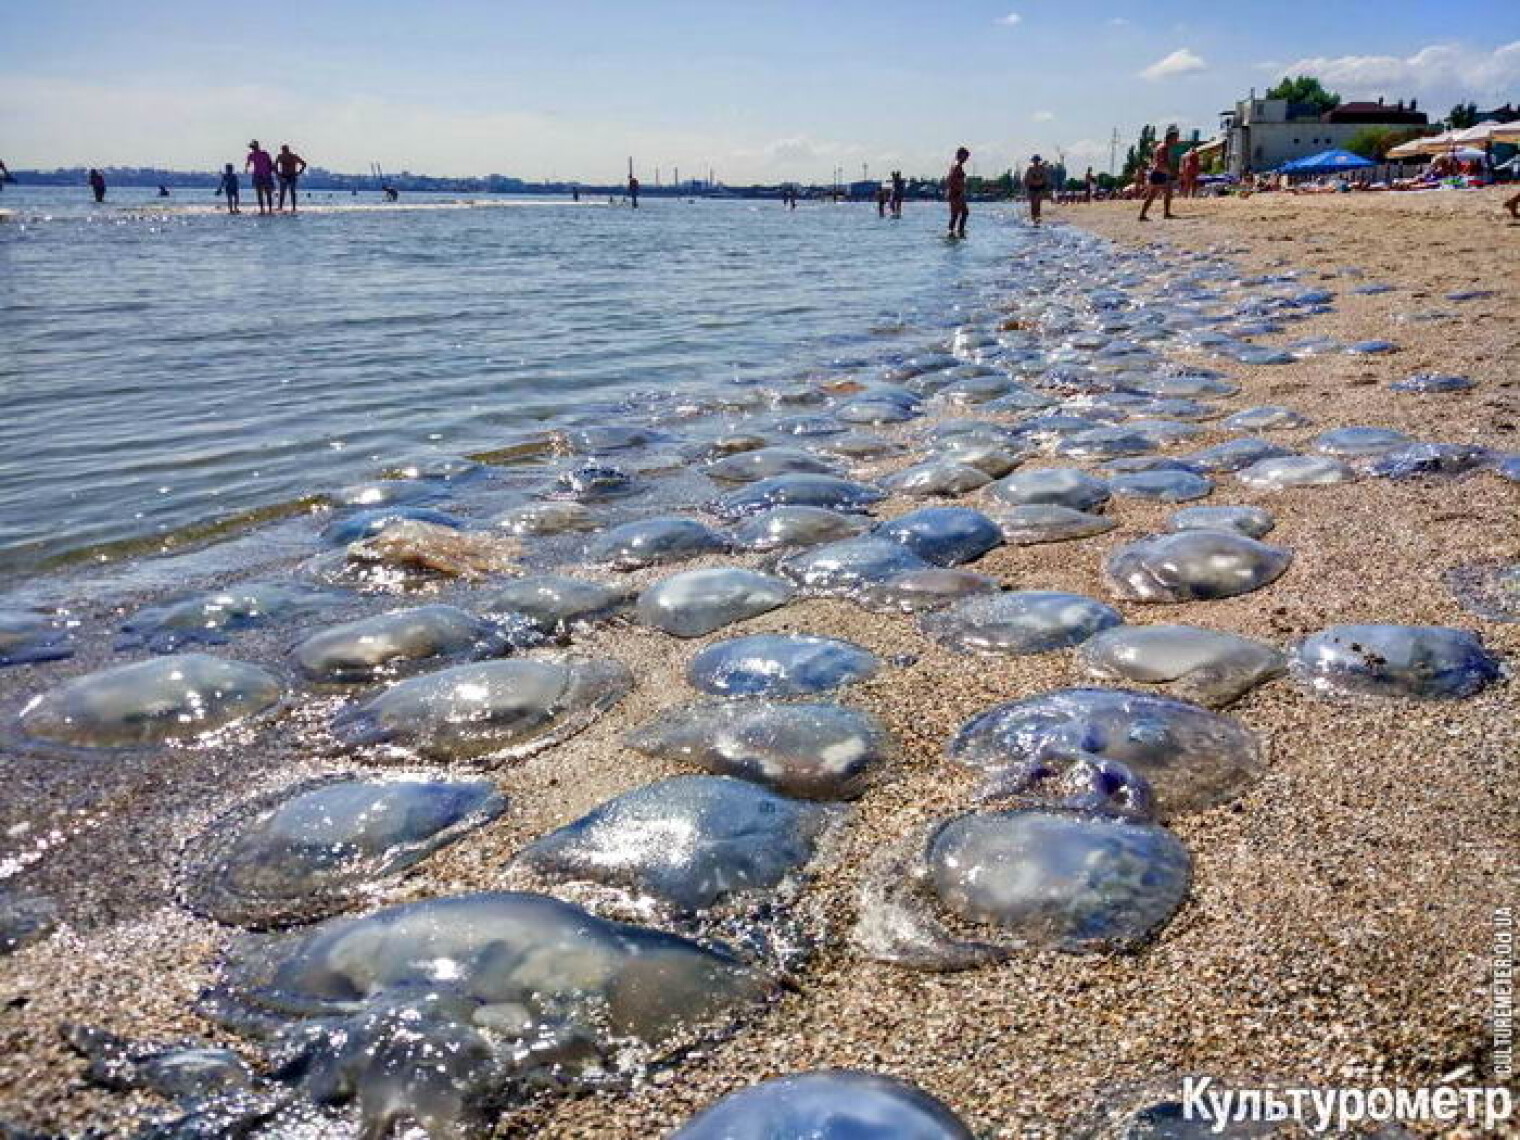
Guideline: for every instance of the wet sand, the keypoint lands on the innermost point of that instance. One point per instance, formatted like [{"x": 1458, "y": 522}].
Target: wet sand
[{"x": 1339, "y": 928}]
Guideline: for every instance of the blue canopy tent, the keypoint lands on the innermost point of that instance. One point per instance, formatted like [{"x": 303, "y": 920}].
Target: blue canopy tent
[{"x": 1326, "y": 162}]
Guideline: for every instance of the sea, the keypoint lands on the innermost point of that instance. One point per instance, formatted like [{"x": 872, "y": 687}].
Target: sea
[{"x": 172, "y": 373}]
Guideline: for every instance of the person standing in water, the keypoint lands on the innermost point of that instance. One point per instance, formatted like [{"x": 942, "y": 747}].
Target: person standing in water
[
  {"x": 897, "y": 193},
  {"x": 262, "y": 166},
  {"x": 290, "y": 166},
  {"x": 1159, "y": 180},
  {"x": 955, "y": 191},
  {"x": 5, "y": 175},
  {"x": 633, "y": 191},
  {"x": 98, "y": 184},
  {"x": 1036, "y": 185},
  {"x": 881, "y": 201},
  {"x": 228, "y": 188}
]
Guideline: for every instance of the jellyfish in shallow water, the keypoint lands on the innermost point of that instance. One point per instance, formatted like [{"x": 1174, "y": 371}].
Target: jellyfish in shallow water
[
  {"x": 211, "y": 618},
  {"x": 553, "y": 604},
  {"x": 811, "y": 751},
  {"x": 781, "y": 527},
  {"x": 501, "y": 709},
  {"x": 940, "y": 478},
  {"x": 766, "y": 463},
  {"x": 690, "y": 842},
  {"x": 944, "y": 536},
  {"x": 435, "y": 1014},
  {"x": 547, "y": 518},
  {"x": 1200, "y": 665},
  {"x": 797, "y": 491},
  {"x": 26, "y": 638},
  {"x": 305, "y": 853},
  {"x": 1020, "y": 622},
  {"x": 366, "y": 524},
  {"x": 776, "y": 665},
  {"x": 1193, "y": 565},
  {"x": 655, "y": 542},
  {"x": 172, "y": 698},
  {"x": 697, "y": 602},
  {"x": 1020, "y": 880},
  {"x": 1192, "y": 758},
  {"x": 1048, "y": 522},
  {"x": 831, "y": 1104},
  {"x": 845, "y": 567},
  {"x": 1253, "y": 522},
  {"x": 393, "y": 642},
  {"x": 594, "y": 481},
  {"x": 1429, "y": 662}
]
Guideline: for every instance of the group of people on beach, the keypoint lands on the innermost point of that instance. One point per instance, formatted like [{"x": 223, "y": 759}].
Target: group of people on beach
[{"x": 287, "y": 166}]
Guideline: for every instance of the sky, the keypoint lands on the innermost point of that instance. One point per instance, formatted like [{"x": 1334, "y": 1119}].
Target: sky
[{"x": 757, "y": 92}]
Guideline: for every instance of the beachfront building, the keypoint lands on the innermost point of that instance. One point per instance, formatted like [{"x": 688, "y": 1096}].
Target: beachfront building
[{"x": 1262, "y": 134}]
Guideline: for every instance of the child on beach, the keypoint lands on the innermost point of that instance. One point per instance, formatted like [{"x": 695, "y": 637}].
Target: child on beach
[
  {"x": 955, "y": 191},
  {"x": 228, "y": 186}
]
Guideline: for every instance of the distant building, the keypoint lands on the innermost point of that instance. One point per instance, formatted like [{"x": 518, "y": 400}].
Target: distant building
[
  {"x": 1504, "y": 114},
  {"x": 1262, "y": 134}
]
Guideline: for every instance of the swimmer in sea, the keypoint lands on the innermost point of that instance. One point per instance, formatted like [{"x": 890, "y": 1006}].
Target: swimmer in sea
[
  {"x": 290, "y": 166},
  {"x": 955, "y": 191}
]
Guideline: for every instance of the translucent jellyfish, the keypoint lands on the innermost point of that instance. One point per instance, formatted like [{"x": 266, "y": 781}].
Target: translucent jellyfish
[
  {"x": 730, "y": 443},
  {"x": 1418, "y": 460},
  {"x": 594, "y": 481},
  {"x": 1024, "y": 621},
  {"x": 1492, "y": 590},
  {"x": 767, "y": 462},
  {"x": 936, "y": 479},
  {"x": 173, "y": 698},
  {"x": 875, "y": 411},
  {"x": 809, "y": 751},
  {"x": 1192, "y": 758},
  {"x": 776, "y": 665},
  {"x": 1050, "y": 429},
  {"x": 689, "y": 842},
  {"x": 1049, "y": 522},
  {"x": 832, "y": 1104},
  {"x": 502, "y": 710},
  {"x": 552, "y": 605},
  {"x": 305, "y": 853},
  {"x": 1296, "y": 471},
  {"x": 1058, "y": 486},
  {"x": 1235, "y": 455},
  {"x": 411, "y": 545},
  {"x": 603, "y": 438},
  {"x": 797, "y": 491},
  {"x": 1253, "y": 522},
  {"x": 944, "y": 536},
  {"x": 1105, "y": 443},
  {"x": 547, "y": 518},
  {"x": 1268, "y": 417},
  {"x": 194, "y": 1075},
  {"x": 357, "y": 525},
  {"x": 843, "y": 568},
  {"x": 860, "y": 445},
  {"x": 655, "y": 542},
  {"x": 1164, "y": 485},
  {"x": 988, "y": 456},
  {"x": 1202, "y": 665},
  {"x": 391, "y": 643},
  {"x": 1431, "y": 382},
  {"x": 1355, "y": 442},
  {"x": 795, "y": 526},
  {"x": 1371, "y": 348},
  {"x": 1193, "y": 565},
  {"x": 431, "y": 1014},
  {"x": 27, "y": 637},
  {"x": 1020, "y": 880},
  {"x": 914, "y": 591},
  {"x": 210, "y": 618},
  {"x": 1429, "y": 662},
  {"x": 699, "y": 601}
]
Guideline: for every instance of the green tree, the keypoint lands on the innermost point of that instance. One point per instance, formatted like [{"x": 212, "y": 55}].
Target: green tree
[
  {"x": 1138, "y": 156},
  {"x": 1375, "y": 142},
  {"x": 1305, "y": 89},
  {"x": 1462, "y": 116}
]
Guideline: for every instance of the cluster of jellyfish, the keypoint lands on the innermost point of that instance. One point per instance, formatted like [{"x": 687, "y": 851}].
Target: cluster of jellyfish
[{"x": 663, "y": 916}]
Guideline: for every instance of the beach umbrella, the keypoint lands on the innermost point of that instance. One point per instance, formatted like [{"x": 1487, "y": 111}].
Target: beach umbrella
[{"x": 1328, "y": 162}]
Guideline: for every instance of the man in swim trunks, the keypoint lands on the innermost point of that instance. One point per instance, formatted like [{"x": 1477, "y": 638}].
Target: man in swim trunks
[
  {"x": 1159, "y": 180},
  {"x": 262, "y": 166},
  {"x": 955, "y": 191},
  {"x": 1036, "y": 185},
  {"x": 290, "y": 165}
]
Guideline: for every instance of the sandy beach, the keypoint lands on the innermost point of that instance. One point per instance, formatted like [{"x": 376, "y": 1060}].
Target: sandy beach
[{"x": 1339, "y": 931}]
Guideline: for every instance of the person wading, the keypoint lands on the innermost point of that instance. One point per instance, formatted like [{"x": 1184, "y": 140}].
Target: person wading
[
  {"x": 262, "y": 166},
  {"x": 955, "y": 191},
  {"x": 1036, "y": 185},
  {"x": 290, "y": 166}
]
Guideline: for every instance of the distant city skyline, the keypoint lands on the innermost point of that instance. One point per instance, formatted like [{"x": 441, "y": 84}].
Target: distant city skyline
[{"x": 768, "y": 92}]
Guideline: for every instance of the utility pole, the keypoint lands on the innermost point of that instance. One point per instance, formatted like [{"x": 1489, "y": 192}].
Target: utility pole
[
  {"x": 1113, "y": 151},
  {"x": 865, "y": 172}
]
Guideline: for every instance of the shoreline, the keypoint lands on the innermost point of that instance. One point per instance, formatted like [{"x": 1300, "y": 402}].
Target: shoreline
[{"x": 1336, "y": 930}]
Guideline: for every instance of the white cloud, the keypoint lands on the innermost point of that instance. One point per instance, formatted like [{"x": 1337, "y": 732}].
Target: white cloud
[
  {"x": 1448, "y": 68},
  {"x": 1011, "y": 20},
  {"x": 1118, "y": 22},
  {"x": 1086, "y": 149},
  {"x": 1043, "y": 116},
  {"x": 1180, "y": 62}
]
